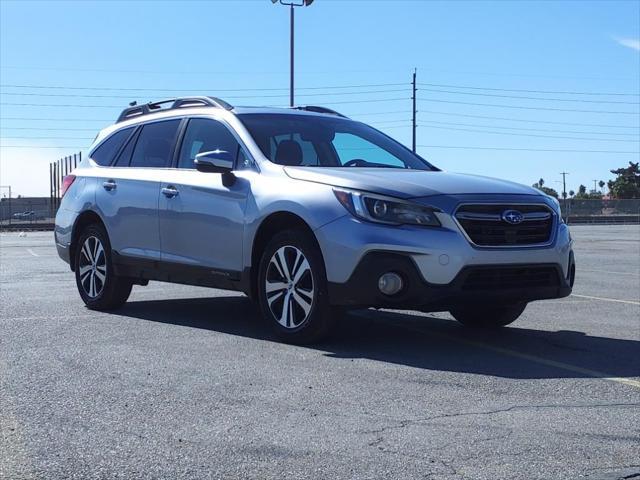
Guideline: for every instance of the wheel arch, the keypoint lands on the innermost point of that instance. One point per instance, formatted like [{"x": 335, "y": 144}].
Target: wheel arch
[
  {"x": 86, "y": 218},
  {"x": 272, "y": 224}
]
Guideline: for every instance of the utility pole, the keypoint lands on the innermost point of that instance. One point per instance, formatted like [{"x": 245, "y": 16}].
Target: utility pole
[
  {"x": 8, "y": 187},
  {"x": 594, "y": 186},
  {"x": 51, "y": 189},
  {"x": 564, "y": 189},
  {"x": 413, "y": 97}
]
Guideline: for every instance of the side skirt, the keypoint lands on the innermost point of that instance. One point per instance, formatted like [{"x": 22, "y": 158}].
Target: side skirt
[{"x": 141, "y": 270}]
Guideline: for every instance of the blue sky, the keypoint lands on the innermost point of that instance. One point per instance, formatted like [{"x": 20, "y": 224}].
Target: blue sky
[{"x": 232, "y": 49}]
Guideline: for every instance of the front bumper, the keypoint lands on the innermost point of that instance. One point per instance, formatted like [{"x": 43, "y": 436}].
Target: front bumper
[
  {"x": 479, "y": 284},
  {"x": 435, "y": 263},
  {"x": 439, "y": 253}
]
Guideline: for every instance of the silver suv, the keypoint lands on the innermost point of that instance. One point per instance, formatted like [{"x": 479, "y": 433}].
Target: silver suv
[{"x": 305, "y": 211}]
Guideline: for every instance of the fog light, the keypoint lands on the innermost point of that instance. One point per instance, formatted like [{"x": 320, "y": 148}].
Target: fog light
[{"x": 390, "y": 283}]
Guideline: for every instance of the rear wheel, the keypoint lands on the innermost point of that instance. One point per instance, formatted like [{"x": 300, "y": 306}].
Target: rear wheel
[
  {"x": 292, "y": 288},
  {"x": 488, "y": 316},
  {"x": 99, "y": 287}
]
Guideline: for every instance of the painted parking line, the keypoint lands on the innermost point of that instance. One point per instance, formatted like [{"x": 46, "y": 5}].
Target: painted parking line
[
  {"x": 32, "y": 252},
  {"x": 609, "y": 272},
  {"x": 534, "y": 358},
  {"x": 589, "y": 297}
]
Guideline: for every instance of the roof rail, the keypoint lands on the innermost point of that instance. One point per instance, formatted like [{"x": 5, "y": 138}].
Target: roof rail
[
  {"x": 317, "y": 109},
  {"x": 182, "y": 102}
]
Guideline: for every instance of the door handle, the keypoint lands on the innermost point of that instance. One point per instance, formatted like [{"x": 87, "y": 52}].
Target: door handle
[
  {"x": 169, "y": 191},
  {"x": 109, "y": 185}
]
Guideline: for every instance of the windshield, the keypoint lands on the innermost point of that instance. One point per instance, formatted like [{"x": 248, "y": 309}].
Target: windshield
[{"x": 315, "y": 141}]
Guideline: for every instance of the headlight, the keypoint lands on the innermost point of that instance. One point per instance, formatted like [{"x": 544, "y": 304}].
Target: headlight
[
  {"x": 556, "y": 202},
  {"x": 379, "y": 209}
]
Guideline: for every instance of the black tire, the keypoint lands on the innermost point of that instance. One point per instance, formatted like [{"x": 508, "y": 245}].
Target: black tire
[
  {"x": 113, "y": 291},
  {"x": 301, "y": 327},
  {"x": 486, "y": 316}
]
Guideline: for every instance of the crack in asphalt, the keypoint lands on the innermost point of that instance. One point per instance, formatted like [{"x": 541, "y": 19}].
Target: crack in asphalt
[{"x": 404, "y": 423}]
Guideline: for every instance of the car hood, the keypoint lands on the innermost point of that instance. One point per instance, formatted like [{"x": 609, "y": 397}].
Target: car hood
[{"x": 407, "y": 183}]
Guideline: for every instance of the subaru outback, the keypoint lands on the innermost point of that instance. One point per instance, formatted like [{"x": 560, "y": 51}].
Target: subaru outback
[{"x": 308, "y": 213}]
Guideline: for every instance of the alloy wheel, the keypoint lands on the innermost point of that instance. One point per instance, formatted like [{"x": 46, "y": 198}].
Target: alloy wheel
[
  {"x": 289, "y": 287},
  {"x": 92, "y": 267}
]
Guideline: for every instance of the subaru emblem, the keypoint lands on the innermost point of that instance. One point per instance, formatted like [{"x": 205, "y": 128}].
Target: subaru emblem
[{"x": 513, "y": 217}]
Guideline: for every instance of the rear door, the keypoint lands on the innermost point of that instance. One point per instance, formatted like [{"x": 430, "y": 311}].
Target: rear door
[
  {"x": 127, "y": 194},
  {"x": 202, "y": 214}
]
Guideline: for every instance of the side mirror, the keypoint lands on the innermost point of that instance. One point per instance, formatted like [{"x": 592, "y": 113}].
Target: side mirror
[{"x": 216, "y": 161}]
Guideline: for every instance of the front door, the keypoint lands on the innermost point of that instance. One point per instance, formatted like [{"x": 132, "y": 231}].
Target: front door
[{"x": 201, "y": 213}]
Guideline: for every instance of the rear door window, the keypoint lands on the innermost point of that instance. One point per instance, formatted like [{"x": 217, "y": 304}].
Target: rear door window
[
  {"x": 104, "y": 154},
  {"x": 155, "y": 145}
]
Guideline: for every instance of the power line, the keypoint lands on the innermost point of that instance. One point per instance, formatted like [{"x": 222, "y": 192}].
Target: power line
[
  {"x": 367, "y": 101},
  {"x": 41, "y": 146},
  {"x": 524, "y": 97},
  {"x": 531, "y": 149},
  {"x": 49, "y": 138},
  {"x": 558, "y": 92},
  {"x": 319, "y": 72},
  {"x": 379, "y": 113},
  {"x": 69, "y": 105},
  {"x": 58, "y": 105},
  {"x": 50, "y": 129},
  {"x": 282, "y": 95},
  {"x": 263, "y": 89},
  {"x": 386, "y": 127},
  {"x": 511, "y": 119},
  {"x": 322, "y": 87},
  {"x": 32, "y": 119},
  {"x": 530, "y": 129},
  {"x": 520, "y": 107},
  {"x": 110, "y": 120},
  {"x": 533, "y": 135}
]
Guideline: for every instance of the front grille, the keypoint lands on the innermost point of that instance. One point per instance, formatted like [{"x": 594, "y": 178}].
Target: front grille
[
  {"x": 506, "y": 278},
  {"x": 485, "y": 224}
]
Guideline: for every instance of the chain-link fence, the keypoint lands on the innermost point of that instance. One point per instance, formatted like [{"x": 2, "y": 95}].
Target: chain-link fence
[
  {"x": 39, "y": 212},
  {"x": 601, "y": 211},
  {"x": 27, "y": 211},
  {"x": 36, "y": 212}
]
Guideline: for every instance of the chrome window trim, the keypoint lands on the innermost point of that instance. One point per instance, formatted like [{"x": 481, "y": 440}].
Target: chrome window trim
[
  {"x": 254, "y": 167},
  {"x": 552, "y": 236}
]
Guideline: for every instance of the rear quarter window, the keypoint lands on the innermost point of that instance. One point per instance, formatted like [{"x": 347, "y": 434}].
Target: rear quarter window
[{"x": 104, "y": 154}]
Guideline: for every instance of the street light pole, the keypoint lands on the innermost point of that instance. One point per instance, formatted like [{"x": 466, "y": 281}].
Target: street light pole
[
  {"x": 292, "y": 5},
  {"x": 291, "y": 42}
]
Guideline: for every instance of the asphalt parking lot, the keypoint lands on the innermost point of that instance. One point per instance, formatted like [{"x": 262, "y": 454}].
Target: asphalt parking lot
[{"x": 186, "y": 382}]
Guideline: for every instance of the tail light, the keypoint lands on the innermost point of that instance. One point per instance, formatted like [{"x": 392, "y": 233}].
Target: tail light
[{"x": 66, "y": 184}]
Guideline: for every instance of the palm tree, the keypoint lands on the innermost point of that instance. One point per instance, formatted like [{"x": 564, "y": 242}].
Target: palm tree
[
  {"x": 601, "y": 184},
  {"x": 571, "y": 193}
]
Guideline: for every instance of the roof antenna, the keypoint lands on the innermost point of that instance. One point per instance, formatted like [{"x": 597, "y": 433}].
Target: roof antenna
[{"x": 133, "y": 104}]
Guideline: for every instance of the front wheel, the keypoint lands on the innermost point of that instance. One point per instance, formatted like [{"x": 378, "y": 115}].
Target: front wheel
[
  {"x": 292, "y": 288},
  {"x": 98, "y": 285},
  {"x": 488, "y": 316}
]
